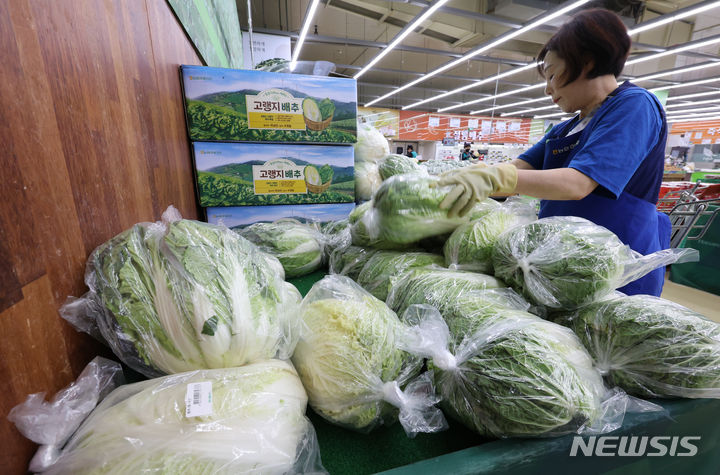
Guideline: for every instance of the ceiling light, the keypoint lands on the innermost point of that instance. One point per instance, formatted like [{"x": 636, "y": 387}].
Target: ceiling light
[
  {"x": 685, "y": 84},
  {"x": 701, "y": 109},
  {"x": 303, "y": 33},
  {"x": 481, "y": 49},
  {"x": 549, "y": 115},
  {"x": 474, "y": 84},
  {"x": 505, "y": 106},
  {"x": 695, "y": 103},
  {"x": 488, "y": 98},
  {"x": 681, "y": 14},
  {"x": 676, "y": 50},
  {"x": 690, "y": 96},
  {"x": 525, "y": 111},
  {"x": 698, "y": 119},
  {"x": 677, "y": 71},
  {"x": 409, "y": 28},
  {"x": 689, "y": 115}
]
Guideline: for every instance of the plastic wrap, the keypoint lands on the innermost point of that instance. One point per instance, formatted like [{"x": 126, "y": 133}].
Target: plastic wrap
[
  {"x": 298, "y": 246},
  {"x": 395, "y": 164},
  {"x": 470, "y": 246},
  {"x": 349, "y": 261},
  {"x": 180, "y": 295},
  {"x": 381, "y": 270},
  {"x": 483, "y": 207},
  {"x": 350, "y": 364},
  {"x": 567, "y": 262},
  {"x": 651, "y": 347},
  {"x": 371, "y": 144},
  {"x": 336, "y": 235},
  {"x": 438, "y": 167},
  {"x": 406, "y": 210},
  {"x": 510, "y": 375},
  {"x": 453, "y": 292},
  {"x": 360, "y": 233},
  {"x": 367, "y": 179},
  {"x": 232, "y": 420},
  {"x": 52, "y": 423}
]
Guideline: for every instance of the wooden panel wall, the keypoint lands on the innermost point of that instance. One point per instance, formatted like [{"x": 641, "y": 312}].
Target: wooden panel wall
[{"x": 92, "y": 140}]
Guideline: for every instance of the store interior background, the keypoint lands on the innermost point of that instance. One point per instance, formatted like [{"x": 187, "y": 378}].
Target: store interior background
[{"x": 94, "y": 137}]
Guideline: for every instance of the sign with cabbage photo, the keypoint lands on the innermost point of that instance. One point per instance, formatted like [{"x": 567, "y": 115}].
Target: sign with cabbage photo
[
  {"x": 273, "y": 174},
  {"x": 259, "y": 106}
]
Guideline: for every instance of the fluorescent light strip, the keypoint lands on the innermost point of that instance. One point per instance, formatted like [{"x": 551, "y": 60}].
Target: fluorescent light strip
[
  {"x": 679, "y": 15},
  {"x": 401, "y": 36},
  {"x": 698, "y": 114},
  {"x": 673, "y": 51},
  {"x": 549, "y": 115},
  {"x": 701, "y": 109},
  {"x": 502, "y": 39},
  {"x": 695, "y": 103},
  {"x": 489, "y": 98},
  {"x": 525, "y": 111},
  {"x": 474, "y": 84},
  {"x": 303, "y": 33},
  {"x": 697, "y": 94},
  {"x": 505, "y": 106},
  {"x": 698, "y": 119},
  {"x": 670, "y": 73},
  {"x": 685, "y": 84}
]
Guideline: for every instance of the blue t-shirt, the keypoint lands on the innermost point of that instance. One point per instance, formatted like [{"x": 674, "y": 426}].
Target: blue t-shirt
[{"x": 625, "y": 150}]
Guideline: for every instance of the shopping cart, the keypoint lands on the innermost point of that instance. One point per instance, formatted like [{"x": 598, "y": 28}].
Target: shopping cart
[{"x": 690, "y": 213}]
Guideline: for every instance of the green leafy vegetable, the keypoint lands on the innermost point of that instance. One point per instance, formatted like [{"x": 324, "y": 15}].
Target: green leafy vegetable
[
  {"x": 348, "y": 351},
  {"x": 189, "y": 295},
  {"x": 327, "y": 108},
  {"x": 379, "y": 273},
  {"x": 256, "y": 425},
  {"x": 651, "y": 347},
  {"x": 371, "y": 144},
  {"x": 297, "y": 246},
  {"x": 326, "y": 173},
  {"x": 394, "y": 164}
]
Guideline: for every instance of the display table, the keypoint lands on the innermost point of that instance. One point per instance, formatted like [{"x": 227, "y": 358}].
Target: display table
[{"x": 460, "y": 451}]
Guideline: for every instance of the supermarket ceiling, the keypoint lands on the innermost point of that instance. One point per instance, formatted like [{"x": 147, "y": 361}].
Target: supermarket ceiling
[{"x": 477, "y": 56}]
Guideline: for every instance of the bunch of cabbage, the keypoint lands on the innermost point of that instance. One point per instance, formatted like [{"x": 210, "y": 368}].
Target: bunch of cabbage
[
  {"x": 350, "y": 260},
  {"x": 367, "y": 179},
  {"x": 362, "y": 223},
  {"x": 518, "y": 375},
  {"x": 348, "y": 351},
  {"x": 382, "y": 268},
  {"x": 257, "y": 424},
  {"x": 297, "y": 246},
  {"x": 395, "y": 164},
  {"x": 483, "y": 207},
  {"x": 189, "y": 295},
  {"x": 560, "y": 262},
  {"x": 471, "y": 245},
  {"x": 443, "y": 288},
  {"x": 371, "y": 144},
  {"x": 336, "y": 235},
  {"x": 437, "y": 167},
  {"x": 651, "y": 347},
  {"x": 406, "y": 210}
]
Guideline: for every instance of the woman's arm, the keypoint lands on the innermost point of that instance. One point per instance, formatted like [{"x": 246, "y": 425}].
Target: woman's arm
[
  {"x": 521, "y": 164},
  {"x": 556, "y": 184}
]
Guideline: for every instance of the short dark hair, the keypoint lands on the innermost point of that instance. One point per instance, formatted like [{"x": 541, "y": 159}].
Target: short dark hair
[
  {"x": 595, "y": 35},
  {"x": 410, "y": 146}
]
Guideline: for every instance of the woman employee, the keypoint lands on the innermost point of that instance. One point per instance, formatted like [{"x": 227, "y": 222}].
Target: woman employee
[{"x": 606, "y": 163}]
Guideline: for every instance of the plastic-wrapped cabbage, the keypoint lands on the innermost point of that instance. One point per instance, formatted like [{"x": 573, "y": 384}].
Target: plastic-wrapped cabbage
[
  {"x": 350, "y": 260},
  {"x": 360, "y": 233},
  {"x": 381, "y": 270},
  {"x": 438, "y": 167},
  {"x": 350, "y": 364},
  {"x": 566, "y": 262},
  {"x": 651, "y": 347},
  {"x": 297, "y": 246},
  {"x": 510, "y": 375},
  {"x": 444, "y": 289},
  {"x": 471, "y": 245},
  {"x": 483, "y": 207},
  {"x": 395, "y": 164},
  {"x": 232, "y": 420},
  {"x": 371, "y": 144},
  {"x": 336, "y": 235},
  {"x": 406, "y": 210},
  {"x": 367, "y": 179},
  {"x": 181, "y": 295}
]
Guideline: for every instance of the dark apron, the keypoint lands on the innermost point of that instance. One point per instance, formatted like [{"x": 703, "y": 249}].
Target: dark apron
[{"x": 635, "y": 221}]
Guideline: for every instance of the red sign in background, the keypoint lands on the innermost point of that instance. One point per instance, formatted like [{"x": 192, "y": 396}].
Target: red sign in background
[
  {"x": 699, "y": 132},
  {"x": 416, "y": 125}
]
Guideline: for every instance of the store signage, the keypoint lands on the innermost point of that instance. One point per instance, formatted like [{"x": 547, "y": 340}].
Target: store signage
[
  {"x": 449, "y": 141},
  {"x": 278, "y": 176},
  {"x": 275, "y": 109}
]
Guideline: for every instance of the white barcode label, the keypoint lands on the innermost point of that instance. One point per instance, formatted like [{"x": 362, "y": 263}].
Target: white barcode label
[{"x": 198, "y": 399}]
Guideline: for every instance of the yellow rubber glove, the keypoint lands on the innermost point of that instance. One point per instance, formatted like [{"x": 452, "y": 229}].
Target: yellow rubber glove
[{"x": 475, "y": 183}]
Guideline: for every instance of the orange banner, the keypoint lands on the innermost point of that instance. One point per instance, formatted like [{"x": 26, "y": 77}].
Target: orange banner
[
  {"x": 415, "y": 125},
  {"x": 705, "y": 132}
]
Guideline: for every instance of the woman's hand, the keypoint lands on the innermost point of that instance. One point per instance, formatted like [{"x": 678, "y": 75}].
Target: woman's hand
[{"x": 475, "y": 183}]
